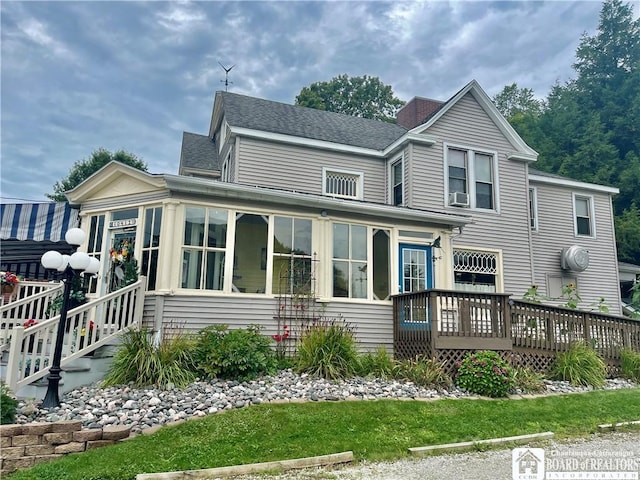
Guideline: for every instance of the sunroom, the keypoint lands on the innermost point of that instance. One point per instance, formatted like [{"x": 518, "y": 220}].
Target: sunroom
[{"x": 215, "y": 252}]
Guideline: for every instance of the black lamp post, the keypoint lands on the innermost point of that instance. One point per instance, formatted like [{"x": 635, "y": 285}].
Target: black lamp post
[{"x": 75, "y": 264}]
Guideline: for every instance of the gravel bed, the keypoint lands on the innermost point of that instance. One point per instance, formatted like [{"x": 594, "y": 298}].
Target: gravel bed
[
  {"x": 488, "y": 465},
  {"x": 148, "y": 407}
]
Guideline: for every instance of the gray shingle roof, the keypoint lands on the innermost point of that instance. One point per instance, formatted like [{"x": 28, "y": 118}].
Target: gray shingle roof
[
  {"x": 198, "y": 151},
  {"x": 282, "y": 118},
  {"x": 540, "y": 173}
]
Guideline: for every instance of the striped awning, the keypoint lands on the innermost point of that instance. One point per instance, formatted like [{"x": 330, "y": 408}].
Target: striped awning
[{"x": 37, "y": 221}]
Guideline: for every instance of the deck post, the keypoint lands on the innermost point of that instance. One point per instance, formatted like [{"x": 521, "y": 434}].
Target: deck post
[{"x": 432, "y": 300}]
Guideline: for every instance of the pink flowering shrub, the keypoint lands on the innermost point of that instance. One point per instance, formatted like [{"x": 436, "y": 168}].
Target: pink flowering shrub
[{"x": 484, "y": 373}]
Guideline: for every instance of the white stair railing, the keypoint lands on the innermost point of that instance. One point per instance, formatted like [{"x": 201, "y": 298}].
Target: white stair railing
[
  {"x": 88, "y": 327},
  {"x": 34, "y": 299}
]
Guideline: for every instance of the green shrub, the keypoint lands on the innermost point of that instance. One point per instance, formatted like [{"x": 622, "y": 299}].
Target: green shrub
[
  {"x": 423, "y": 371},
  {"x": 8, "y": 405},
  {"x": 527, "y": 380},
  {"x": 630, "y": 364},
  {"x": 144, "y": 363},
  {"x": 328, "y": 349},
  {"x": 376, "y": 364},
  {"x": 241, "y": 354},
  {"x": 580, "y": 365},
  {"x": 484, "y": 373}
]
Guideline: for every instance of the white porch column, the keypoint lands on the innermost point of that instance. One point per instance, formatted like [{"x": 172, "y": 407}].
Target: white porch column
[{"x": 169, "y": 247}]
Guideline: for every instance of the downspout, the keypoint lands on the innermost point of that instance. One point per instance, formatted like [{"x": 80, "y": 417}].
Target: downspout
[{"x": 529, "y": 234}]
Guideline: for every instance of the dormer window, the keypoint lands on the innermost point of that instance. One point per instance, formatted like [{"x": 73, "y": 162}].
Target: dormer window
[{"x": 342, "y": 183}]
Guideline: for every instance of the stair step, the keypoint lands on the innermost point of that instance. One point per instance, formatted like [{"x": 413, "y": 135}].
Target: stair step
[{"x": 76, "y": 369}]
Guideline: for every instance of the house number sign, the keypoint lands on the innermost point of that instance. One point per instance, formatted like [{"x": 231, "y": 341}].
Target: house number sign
[{"x": 129, "y": 222}]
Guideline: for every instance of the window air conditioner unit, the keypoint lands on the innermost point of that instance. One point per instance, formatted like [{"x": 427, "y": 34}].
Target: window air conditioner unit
[{"x": 459, "y": 199}]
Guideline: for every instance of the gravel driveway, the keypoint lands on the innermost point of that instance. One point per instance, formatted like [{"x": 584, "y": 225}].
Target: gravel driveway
[{"x": 489, "y": 465}]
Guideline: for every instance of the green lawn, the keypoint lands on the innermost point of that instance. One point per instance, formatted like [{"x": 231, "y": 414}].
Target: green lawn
[{"x": 373, "y": 430}]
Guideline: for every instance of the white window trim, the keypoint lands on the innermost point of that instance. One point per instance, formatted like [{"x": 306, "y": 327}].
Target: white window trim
[
  {"x": 533, "y": 199},
  {"x": 359, "y": 186},
  {"x": 471, "y": 182},
  {"x": 397, "y": 160},
  {"x": 592, "y": 215}
]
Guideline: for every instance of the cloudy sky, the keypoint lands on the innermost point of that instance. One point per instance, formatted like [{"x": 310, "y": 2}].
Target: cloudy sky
[{"x": 76, "y": 76}]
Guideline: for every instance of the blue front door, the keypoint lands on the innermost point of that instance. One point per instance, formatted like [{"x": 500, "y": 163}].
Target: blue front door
[
  {"x": 415, "y": 275},
  {"x": 416, "y": 268}
]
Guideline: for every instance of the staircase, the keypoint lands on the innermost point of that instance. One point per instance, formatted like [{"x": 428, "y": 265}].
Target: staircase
[{"x": 91, "y": 332}]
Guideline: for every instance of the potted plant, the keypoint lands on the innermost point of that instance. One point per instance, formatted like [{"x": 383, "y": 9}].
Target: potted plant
[{"x": 10, "y": 283}]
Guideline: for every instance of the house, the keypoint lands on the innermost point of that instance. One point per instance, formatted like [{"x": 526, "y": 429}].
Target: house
[{"x": 278, "y": 204}]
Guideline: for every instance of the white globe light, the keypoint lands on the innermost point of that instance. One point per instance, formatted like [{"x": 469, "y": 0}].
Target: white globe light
[
  {"x": 79, "y": 261},
  {"x": 51, "y": 260},
  {"x": 94, "y": 266},
  {"x": 74, "y": 236},
  {"x": 64, "y": 264}
]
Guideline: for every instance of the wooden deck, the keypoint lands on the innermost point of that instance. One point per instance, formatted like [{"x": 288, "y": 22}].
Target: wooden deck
[{"x": 446, "y": 324}]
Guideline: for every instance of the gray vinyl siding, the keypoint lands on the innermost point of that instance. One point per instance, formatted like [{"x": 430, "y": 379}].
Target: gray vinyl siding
[
  {"x": 372, "y": 323},
  {"x": 556, "y": 231},
  {"x": 298, "y": 168},
  {"x": 466, "y": 124}
]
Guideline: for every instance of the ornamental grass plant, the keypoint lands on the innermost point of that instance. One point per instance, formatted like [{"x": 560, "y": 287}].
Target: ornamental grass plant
[
  {"x": 580, "y": 365},
  {"x": 378, "y": 364},
  {"x": 630, "y": 364},
  {"x": 143, "y": 362},
  {"x": 526, "y": 380},
  {"x": 423, "y": 371},
  {"x": 328, "y": 349}
]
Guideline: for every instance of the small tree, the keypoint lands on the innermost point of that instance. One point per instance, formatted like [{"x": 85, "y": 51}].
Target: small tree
[
  {"x": 364, "y": 96},
  {"x": 83, "y": 169}
]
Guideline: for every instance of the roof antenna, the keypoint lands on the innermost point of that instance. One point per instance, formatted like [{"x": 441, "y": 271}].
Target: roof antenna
[{"x": 226, "y": 76}]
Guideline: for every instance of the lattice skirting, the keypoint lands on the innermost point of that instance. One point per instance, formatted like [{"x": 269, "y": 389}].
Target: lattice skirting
[
  {"x": 537, "y": 361},
  {"x": 408, "y": 349}
]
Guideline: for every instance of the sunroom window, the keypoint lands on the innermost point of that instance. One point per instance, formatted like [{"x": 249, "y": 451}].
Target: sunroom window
[
  {"x": 250, "y": 253},
  {"x": 292, "y": 271},
  {"x": 94, "y": 245},
  {"x": 151, "y": 245},
  {"x": 203, "y": 251},
  {"x": 350, "y": 274}
]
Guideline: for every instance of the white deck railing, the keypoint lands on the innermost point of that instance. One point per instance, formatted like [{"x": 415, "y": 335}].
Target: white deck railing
[
  {"x": 33, "y": 301},
  {"x": 88, "y": 327}
]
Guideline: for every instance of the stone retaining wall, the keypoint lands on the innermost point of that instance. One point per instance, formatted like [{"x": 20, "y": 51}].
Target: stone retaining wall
[{"x": 22, "y": 446}]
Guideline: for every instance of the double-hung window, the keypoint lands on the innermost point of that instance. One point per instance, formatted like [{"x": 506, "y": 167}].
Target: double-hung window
[
  {"x": 151, "y": 245},
  {"x": 533, "y": 208},
  {"x": 583, "y": 215},
  {"x": 397, "y": 183},
  {"x": 292, "y": 273},
  {"x": 94, "y": 245},
  {"x": 350, "y": 274},
  {"x": 471, "y": 178},
  {"x": 361, "y": 262},
  {"x": 203, "y": 250}
]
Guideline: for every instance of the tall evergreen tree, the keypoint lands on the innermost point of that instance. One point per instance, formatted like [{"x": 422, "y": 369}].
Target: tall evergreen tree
[{"x": 589, "y": 128}]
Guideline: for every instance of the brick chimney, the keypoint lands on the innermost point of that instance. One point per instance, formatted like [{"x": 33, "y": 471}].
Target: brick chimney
[{"x": 416, "y": 111}]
